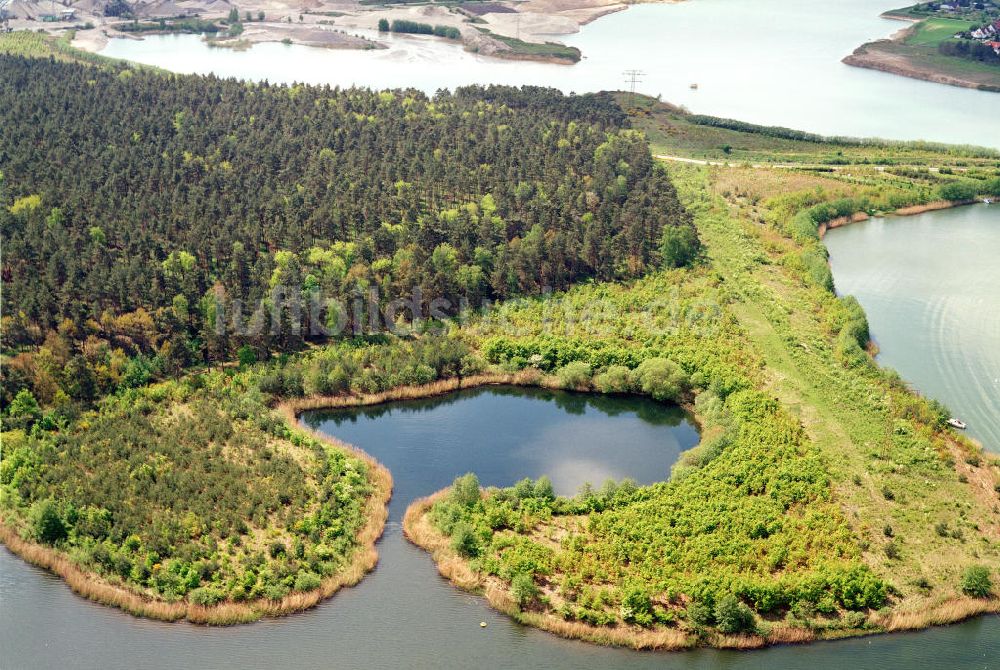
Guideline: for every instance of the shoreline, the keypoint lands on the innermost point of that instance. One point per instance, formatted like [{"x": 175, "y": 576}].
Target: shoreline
[
  {"x": 864, "y": 57},
  {"x": 885, "y": 55},
  {"x": 484, "y": 34},
  {"x": 912, "y": 210},
  {"x": 98, "y": 589},
  {"x": 420, "y": 532}
]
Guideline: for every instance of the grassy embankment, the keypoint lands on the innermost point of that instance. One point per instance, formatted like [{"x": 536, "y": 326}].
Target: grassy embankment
[
  {"x": 674, "y": 132},
  {"x": 911, "y": 502}
]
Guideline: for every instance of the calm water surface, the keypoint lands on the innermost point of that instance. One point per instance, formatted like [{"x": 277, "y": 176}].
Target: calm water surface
[
  {"x": 775, "y": 62},
  {"x": 403, "y": 615},
  {"x": 929, "y": 284},
  {"x": 931, "y": 287}
]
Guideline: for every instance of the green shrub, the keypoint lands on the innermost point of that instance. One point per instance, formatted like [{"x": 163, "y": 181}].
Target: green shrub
[
  {"x": 575, "y": 375},
  {"x": 465, "y": 490},
  {"x": 992, "y": 187},
  {"x": 733, "y": 616},
  {"x": 46, "y": 523},
  {"x": 616, "y": 379},
  {"x": 307, "y": 581},
  {"x": 464, "y": 540},
  {"x": 523, "y": 589},
  {"x": 636, "y": 607},
  {"x": 661, "y": 378},
  {"x": 976, "y": 581},
  {"x": 24, "y": 407},
  {"x": 678, "y": 246},
  {"x": 699, "y": 613},
  {"x": 958, "y": 190},
  {"x": 205, "y": 596},
  {"x": 817, "y": 267}
]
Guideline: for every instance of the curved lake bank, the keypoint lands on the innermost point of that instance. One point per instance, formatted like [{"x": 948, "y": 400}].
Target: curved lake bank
[
  {"x": 773, "y": 62},
  {"x": 929, "y": 284},
  {"x": 403, "y": 614}
]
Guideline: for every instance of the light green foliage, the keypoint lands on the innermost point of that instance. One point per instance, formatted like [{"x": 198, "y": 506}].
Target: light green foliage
[
  {"x": 26, "y": 204},
  {"x": 189, "y": 476},
  {"x": 523, "y": 589},
  {"x": 976, "y": 581},
  {"x": 465, "y": 490},
  {"x": 732, "y": 616},
  {"x": 362, "y": 367},
  {"x": 660, "y": 378},
  {"x": 574, "y": 375},
  {"x": 615, "y": 379},
  {"x": 678, "y": 247}
]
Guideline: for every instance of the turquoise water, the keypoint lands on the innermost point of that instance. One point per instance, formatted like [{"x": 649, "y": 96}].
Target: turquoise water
[{"x": 774, "y": 62}]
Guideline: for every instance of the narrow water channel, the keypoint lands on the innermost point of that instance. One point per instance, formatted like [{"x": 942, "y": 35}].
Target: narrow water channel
[{"x": 404, "y": 615}]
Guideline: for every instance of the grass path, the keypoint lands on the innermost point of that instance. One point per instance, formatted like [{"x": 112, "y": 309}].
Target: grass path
[{"x": 895, "y": 484}]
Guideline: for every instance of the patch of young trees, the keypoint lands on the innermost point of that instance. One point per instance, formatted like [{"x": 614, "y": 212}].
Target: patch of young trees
[
  {"x": 173, "y": 488},
  {"x": 417, "y": 28}
]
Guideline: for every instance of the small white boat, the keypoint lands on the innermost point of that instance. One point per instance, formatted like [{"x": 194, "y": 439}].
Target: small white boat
[
  {"x": 987, "y": 201},
  {"x": 957, "y": 423}
]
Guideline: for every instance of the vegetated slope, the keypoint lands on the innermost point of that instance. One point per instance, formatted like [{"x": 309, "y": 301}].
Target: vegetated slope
[
  {"x": 826, "y": 498},
  {"x": 134, "y": 195},
  {"x": 675, "y": 132}
]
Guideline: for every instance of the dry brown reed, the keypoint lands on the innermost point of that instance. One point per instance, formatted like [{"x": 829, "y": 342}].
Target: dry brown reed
[
  {"x": 949, "y": 610},
  {"x": 420, "y": 531},
  {"x": 88, "y": 585}
]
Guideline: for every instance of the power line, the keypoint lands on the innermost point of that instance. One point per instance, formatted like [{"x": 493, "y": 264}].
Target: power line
[{"x": 632, "y": 77}]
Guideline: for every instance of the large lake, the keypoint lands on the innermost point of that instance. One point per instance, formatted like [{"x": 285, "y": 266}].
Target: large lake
[
  {"x": 930, "y": 285},
  {"x": 404, "y": 615},
  {"x": 774, "y": 62}
]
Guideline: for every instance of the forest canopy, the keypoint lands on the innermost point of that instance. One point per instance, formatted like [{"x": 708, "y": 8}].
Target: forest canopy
[{"x": 136, "y": 204}]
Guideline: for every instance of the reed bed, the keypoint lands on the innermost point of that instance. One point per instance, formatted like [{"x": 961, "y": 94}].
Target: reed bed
[
  {"x": 932, "y": 207},
  {"x": 951, "y": 610},
  {"x": 418, "y": 529},
  {"x": 88, "y": 585}
]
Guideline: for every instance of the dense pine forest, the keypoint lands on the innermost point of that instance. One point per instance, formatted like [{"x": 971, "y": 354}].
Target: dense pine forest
[{"x": 139, "y": 207}]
